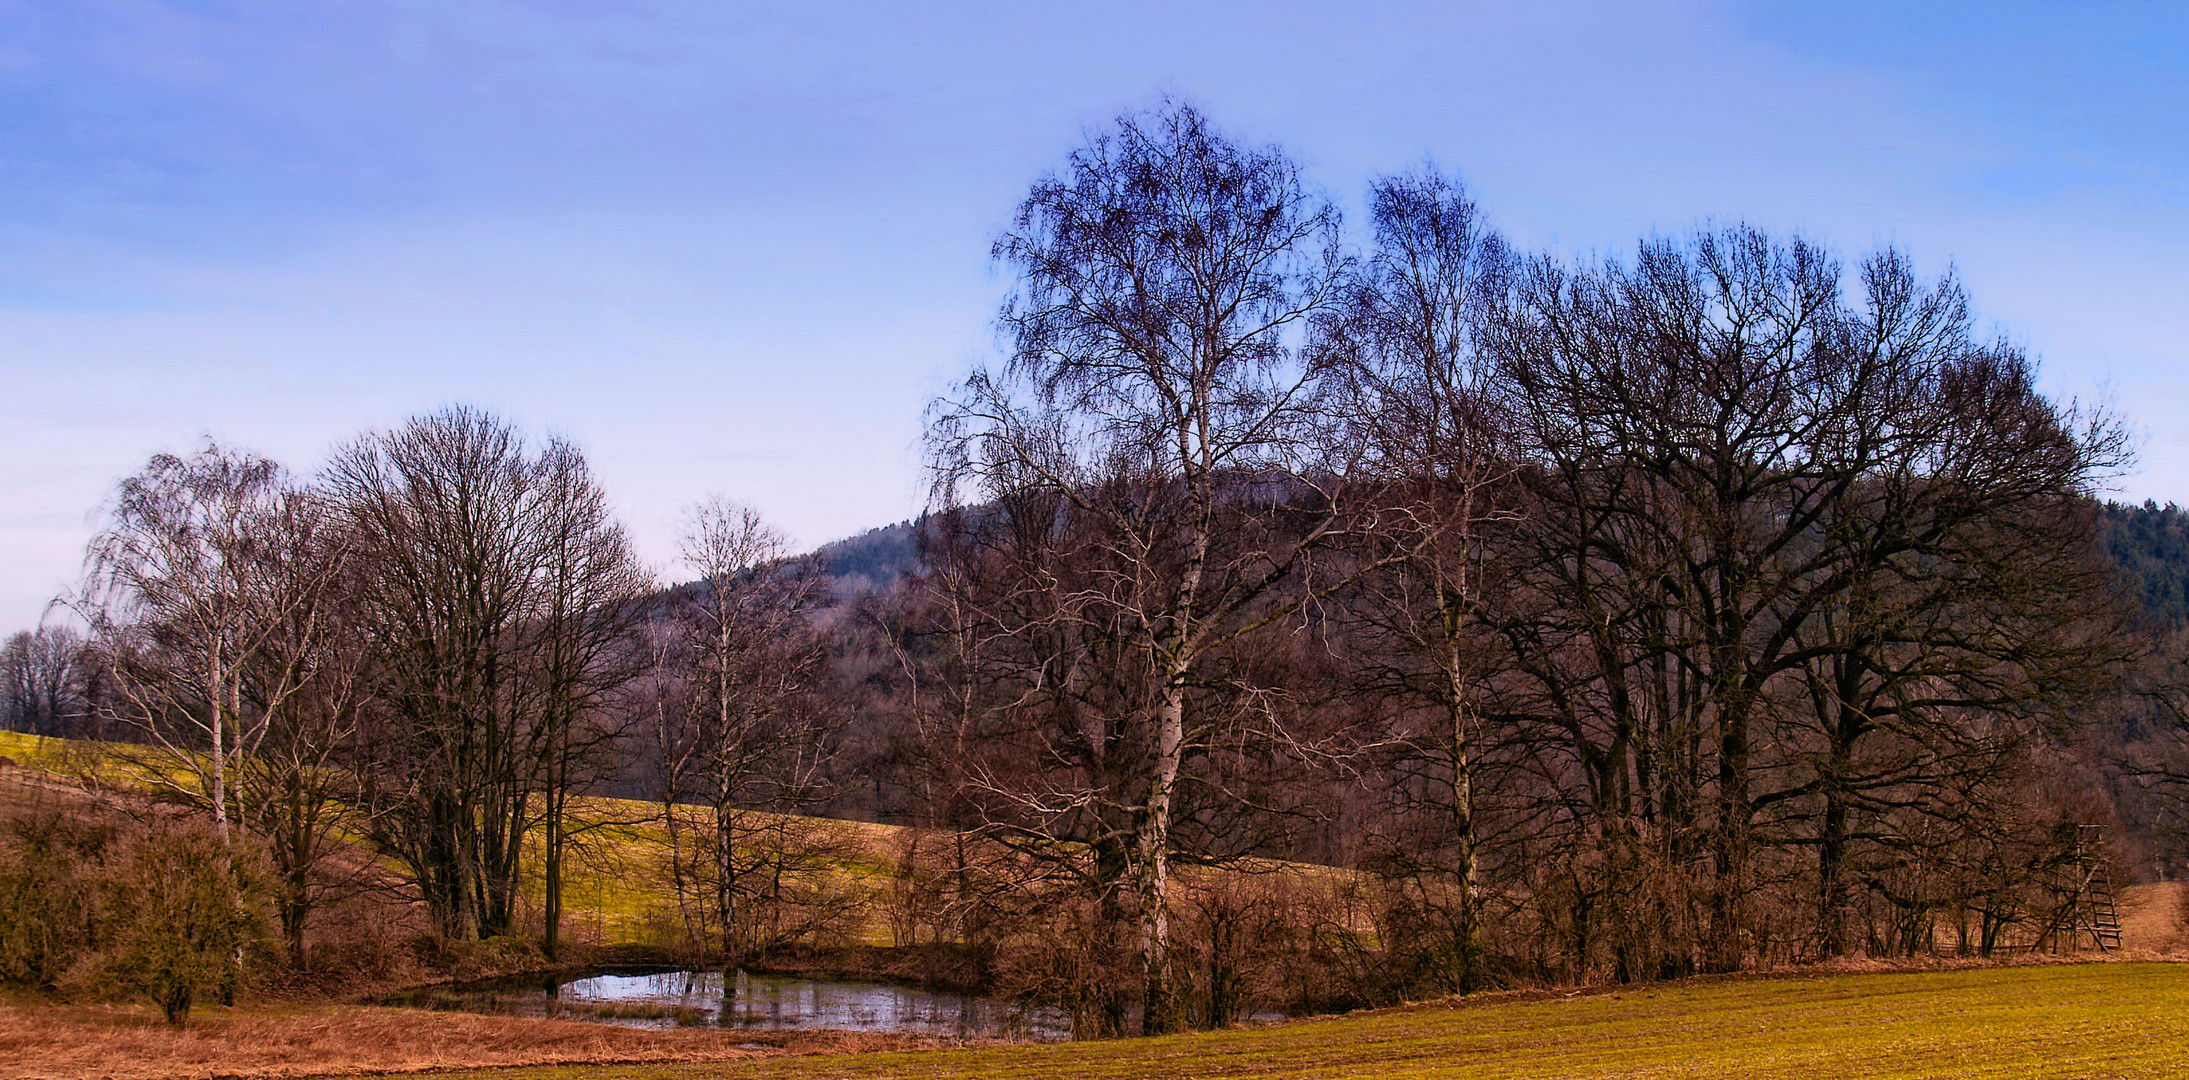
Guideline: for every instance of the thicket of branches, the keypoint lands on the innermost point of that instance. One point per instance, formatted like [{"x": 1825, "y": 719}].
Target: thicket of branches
[{"x": 1297, "y": 623}]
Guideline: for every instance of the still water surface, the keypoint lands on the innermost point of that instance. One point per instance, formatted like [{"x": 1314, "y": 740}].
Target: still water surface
[{"x": 671, "y": 999}]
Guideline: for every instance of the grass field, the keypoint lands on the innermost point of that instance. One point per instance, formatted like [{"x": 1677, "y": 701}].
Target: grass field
[
  {"x": 32, "y": 750},
  {"x": 616, "y": 885},
  {"x": 2064, "y": 1020},
  {"x": 40, "y": 1040}
]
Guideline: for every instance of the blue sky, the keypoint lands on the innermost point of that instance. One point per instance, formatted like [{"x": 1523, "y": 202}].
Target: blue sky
[{"x": 735, "y": 248}]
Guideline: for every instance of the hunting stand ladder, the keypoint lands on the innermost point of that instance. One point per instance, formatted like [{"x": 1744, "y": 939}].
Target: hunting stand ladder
[{"x": 2086, "y": 904}]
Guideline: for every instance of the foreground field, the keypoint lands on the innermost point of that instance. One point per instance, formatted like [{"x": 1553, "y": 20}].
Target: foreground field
[
  {"x": 2079, "y": 1020},
  {"x": 41, "y": 1041},
  {"x": 2042, "y": 1020}
]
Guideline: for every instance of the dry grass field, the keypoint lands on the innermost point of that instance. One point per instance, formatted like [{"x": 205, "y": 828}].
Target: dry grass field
[
  {"x": 2126, "y": 1018},
  {"x": 52, "y": 1042},
  {"x": 2048, "y": 1020},
  {"x": 616, "y": 887}
]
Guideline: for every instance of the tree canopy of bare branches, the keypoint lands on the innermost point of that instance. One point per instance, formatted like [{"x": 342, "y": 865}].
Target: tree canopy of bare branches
[
  {"x": 1754, "y": 503},
  {"x": 1151, "y": 493},
  {"x": 740, "y": 722},
  {"x": 499, "y": 600},
  {"x": 46, "y": 681}
]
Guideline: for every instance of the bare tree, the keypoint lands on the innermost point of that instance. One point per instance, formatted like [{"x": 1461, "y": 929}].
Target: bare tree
[
  {"x": 310, "y": 680},
  {"x": 204, "y": 592},
  {"x": 1728, "y": 467},
  {"x": 1426, "y": 409},
  {"x": 1158, "y": 407},
  {"x": 498, "y": 598},
  {"x": 745, "y": 730},
  {"x": 593, "y": 595},
  {"x": 1973, "y": 615},
  {"x": 43, "y": 681}
]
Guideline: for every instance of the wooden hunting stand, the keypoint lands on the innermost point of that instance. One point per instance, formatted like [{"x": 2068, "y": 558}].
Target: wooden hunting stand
[{"x": 2086, "y": 904}]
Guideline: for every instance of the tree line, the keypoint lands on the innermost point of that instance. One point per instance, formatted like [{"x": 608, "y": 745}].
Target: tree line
[
  {"x": 1724, "y": 605},
  {"x": 1682, "y": 601}
]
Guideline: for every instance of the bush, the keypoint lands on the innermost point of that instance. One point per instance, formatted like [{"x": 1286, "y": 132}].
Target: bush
[
  {"x": 101, "y": 905},
  {"x": 186, "y": 913},
  {"x": 52, "y": 865}
]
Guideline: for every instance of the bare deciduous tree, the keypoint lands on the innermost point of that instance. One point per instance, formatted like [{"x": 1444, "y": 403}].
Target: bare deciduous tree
[
  {"x": 745, "y": 731},
  {"x": 1147, "y": 442},
  {"x": 43, "y": 681},
  {"x": 498, "y": 595},
  {"x": 1733, "y": 473},
  {"x": 205, "y": 593},
  {"x": 1425, "y": 407}
]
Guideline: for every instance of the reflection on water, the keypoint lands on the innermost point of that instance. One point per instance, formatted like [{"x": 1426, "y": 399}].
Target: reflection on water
[{"x": 752, "y": 1002}]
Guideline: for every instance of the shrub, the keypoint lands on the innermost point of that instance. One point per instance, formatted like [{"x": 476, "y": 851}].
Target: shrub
[
  {"x": 51, "y": 870},
  {"x": 187, "y": 912}
]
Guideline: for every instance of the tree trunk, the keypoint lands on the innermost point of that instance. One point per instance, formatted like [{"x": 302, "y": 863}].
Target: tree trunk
[
  {"x": 1733, "y": 842},
  {"x": 551, "y": 905},
  {"x": 1469, "y": 931},
  {"x": 725, "y": 819},
  {"x": 296, "y": 901},
  {"x": 1163, "y": 1005}
]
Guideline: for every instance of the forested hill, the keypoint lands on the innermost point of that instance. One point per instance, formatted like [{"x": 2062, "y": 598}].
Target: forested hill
[
  {"x": 2149, "y": 544},
  {"x": 871, "y": 560}
]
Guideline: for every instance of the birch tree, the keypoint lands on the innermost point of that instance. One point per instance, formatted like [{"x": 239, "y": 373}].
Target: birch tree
[
  {"x": 1157, "y": 385},
  {"x": 1426, "y": 407},
  {"x": 741, "y": 726},
  {"x": 205, "y": 590}
]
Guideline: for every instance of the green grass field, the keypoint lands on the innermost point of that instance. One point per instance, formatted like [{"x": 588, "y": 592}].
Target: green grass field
[{"x": 2069, "y": 1020}]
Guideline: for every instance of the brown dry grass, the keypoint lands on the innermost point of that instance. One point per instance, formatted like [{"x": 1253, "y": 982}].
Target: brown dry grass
[
  {"x": 2151, "y": 919},
  {"x": 50, "y": 1042}
]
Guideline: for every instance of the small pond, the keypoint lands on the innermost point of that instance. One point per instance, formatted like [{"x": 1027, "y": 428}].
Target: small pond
[{"x": 670, "y": 999}]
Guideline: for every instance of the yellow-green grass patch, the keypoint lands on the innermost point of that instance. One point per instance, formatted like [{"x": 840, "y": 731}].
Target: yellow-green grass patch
[
  {"x": 2080, "y": 1020},
  {"x": 617, "y": 888}
]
